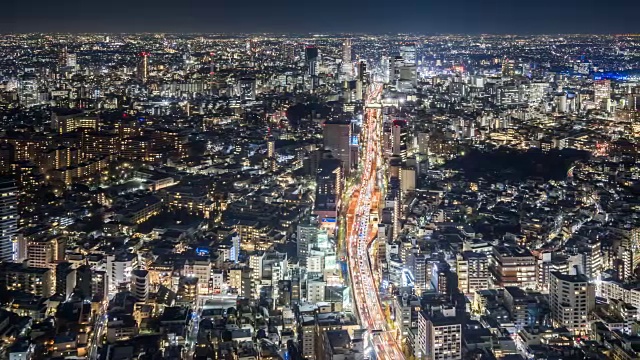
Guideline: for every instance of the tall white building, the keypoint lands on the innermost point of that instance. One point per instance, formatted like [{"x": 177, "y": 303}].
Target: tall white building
[
  {"x": 571, "y": 299},
  {"x": 347, "y": 64},
  {"x": 439, "y": 335},
  {"x": 307, "y": 235},
  {"x": 140, "y": 285},
  {"x": 409, "y": 53},
  {"x": 119, "y": 269},
  {"x": 315, "y": 291}
]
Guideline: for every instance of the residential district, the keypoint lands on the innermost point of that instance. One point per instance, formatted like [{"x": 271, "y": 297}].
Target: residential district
[{"x": 319, "y": 197}]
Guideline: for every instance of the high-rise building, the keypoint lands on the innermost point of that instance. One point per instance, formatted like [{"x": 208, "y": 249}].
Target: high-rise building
[
  {"x": 247, "y": 88},
  {"x": 63, "y": 57},
  {"x": 65, "y": 279},
  {"x": 140, "y": 284},
  {"x": 8, "y": 218},
  {"x": 408, "y": 53},
  {"x": 306, "y": 237},
  {"x": 439, "y": 335},
  {"x": 315, "y": 291},
  {"x": 328, "y": 189},
  {"x": 142, "y": 72},
  {"x": 512, "y": 266},
  {"x": 84, "y": 281},
  {"x": 72, "y": 60},
  {"x": 473, "y": 272},
  {"x": 396, "y": 63},
  {"x": 311, "y": 59},
  {"x": 336, "y": 138},
  {"x": 508, "y": 67},
  {"x": 571, "y": 299},
  {"x": 119, "y": 269},
  {"x": 241, "y": 279},
  {"x": 601, "y": 91},
  {"x": 347, "y": 64},
  {"x": 399, "y": 139}
]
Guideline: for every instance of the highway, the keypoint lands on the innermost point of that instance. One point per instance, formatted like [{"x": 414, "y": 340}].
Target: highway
[{"x": 358, "y": 239}]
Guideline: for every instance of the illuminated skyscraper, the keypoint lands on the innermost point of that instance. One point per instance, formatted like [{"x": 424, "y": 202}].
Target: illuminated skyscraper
[
  {"x": 508, "y": 67},
  {"x": 408, "y": 53},
  {"x": 601, "y": 91},
  {"x": 328, "y": 189},
  {"x": 439, "y": 335},
  {"x": 311, "y": 59},
  {"x": 72, "y": 60},
  {"x": 62, "y": 57},
  {"x": 337, "y": 139},
  {"x": 143, "y": 67},
  {"x": 347, "y": 65},
  {"x": 571, "y": 299},
  {"x": 8, "y": 218},
  {"x": 247, "y": 88}
]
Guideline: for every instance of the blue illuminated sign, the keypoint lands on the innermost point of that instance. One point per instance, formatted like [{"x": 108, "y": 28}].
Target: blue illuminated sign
[{"x": 202, "y": 251}]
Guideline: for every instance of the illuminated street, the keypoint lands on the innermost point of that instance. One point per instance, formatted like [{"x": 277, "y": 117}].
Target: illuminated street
[{"x": 358, "y": 240}]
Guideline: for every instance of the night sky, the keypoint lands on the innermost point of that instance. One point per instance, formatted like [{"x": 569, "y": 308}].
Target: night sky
[{"x": 375, "y": 16}]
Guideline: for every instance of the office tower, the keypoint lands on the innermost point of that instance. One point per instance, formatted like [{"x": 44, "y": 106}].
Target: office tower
[
  {"x": 561, "y": 102},
  {"x": 399, "y": 138},
  {"x": 142, "y": 71},
  {"x": 395, "y": 64},
  {"x": 547, "y": 263},
  {"x": 407, "y": 180},
  {"x": 241, "y": 280},
  {"x": 407, "y": 78},
  {"x": 419, "y": 271},
  {"x": 140, "y": 284},
  {"x": 347, "y": 66},
  {"x": 423, "y": 144},
  {"x": 28, "y": 89},
  {"x": 512, "y": 266},
  {"x": 84, "y": 281},
  {"x": 571, "y": 299},
  {"x": 439, "y": 335},
  {"x": 601, "y": 91},
  {"x": 99, "y": 284},
  {"x": 284, "y": 293},
  {"x": 271, "y": 148},
  {"x": 247, "y": 88},
  {"x": 336, "y": 138},
  {"x": 307, "y": 236},
  {"x": 119, "y": 271},
  {"x": 315, "y": 291},
  {"x": 63, "y": 57},
  {"x": 408, "y": 53},
  {"x": 7, "y": 157},
  {"x": 473, "y": 272},
  {"x": 311, "y": 59},
  {"x": 8, "y": 218},
  {"x": 65, "y": 279},
  {"x": 328, "y": 189},
  {"x": 362, "y": 71},
  {"x": 508, "y": 67},
  {"x": 72, "y": 60},
  {"x": 406, "y": 309},
  {"x": 312, "y": 63},
  {"x": 521, "y": 307}
]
